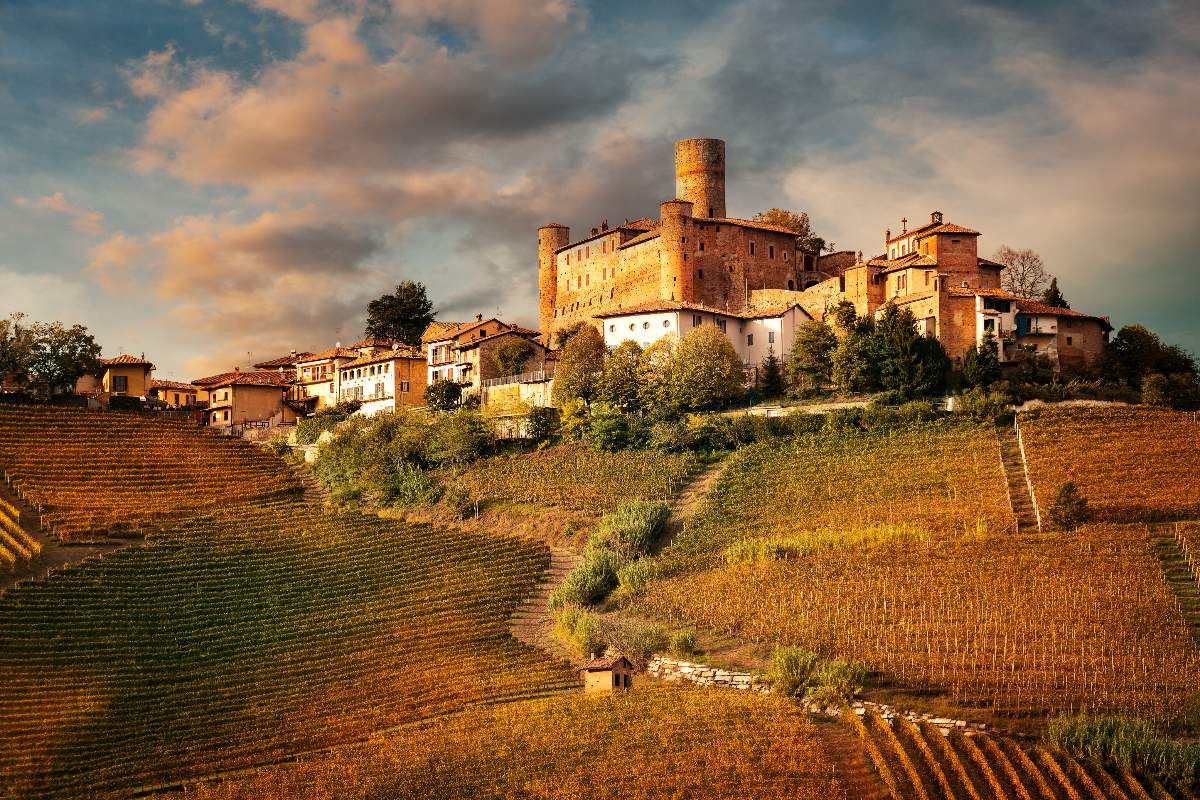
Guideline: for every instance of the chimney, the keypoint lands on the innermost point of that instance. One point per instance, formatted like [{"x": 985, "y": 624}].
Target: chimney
[
  {"x": 887, "y": 235},
  {"x": 595, "y": 231},
  {"x": 936, "y": 218},
  {"x": 479, "y": 317}
]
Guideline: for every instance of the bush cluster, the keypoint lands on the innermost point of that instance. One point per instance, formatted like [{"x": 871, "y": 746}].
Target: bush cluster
[
  {"x": 796, "y": 672},
  {"x": 309, "y": 429},
  {"x": 1128, "y": 743},
  {"x": 624, "y": 536}
]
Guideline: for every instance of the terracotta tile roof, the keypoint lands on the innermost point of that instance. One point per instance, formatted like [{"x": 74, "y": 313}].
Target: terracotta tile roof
[
  {"x": 523, "y": 332},
  {"x": 930, "y": 228},
  {"x": 333, "y": 352},
  {"x": 375, "y": 341},
  {"x": 641, "y": 237},
  {"x": 385, "y": 355},
  {"x": 127, "y": 359},
  {"x": 283, "y": 361},
  {"x": 262, "y": 377},
  {"x": 605, "y": 663},
  {"x": 643, "y": 224},
  {"x": 913, "y": 298},
  {"x": 157, "y": 384},
  {"x": 655, "y": 306},
  {"x": 436, "y": 331},
  {"x": 1034, "y": 307},
  {"x": 984, "y": 262},
  {"x": 746, "y": 223},
  {"x": 972, "y": 291},
  {"x": 904, "y": 262}
]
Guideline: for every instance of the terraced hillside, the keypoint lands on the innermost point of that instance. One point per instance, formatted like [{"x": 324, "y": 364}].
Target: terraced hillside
[
  {"x": 1133, "y": 464},
  {"x": 248, "y": 634},
  {"x": 643, "y": 745},
  {"x": 17, "y": 548},
  {"x": 944, "y": 479},
  {"x": 920, "y": 763},
  {"x": 93, "y": 473}
]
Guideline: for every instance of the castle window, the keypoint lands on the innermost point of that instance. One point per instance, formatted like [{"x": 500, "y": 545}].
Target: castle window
[
  {"x": 1068, "y": 340},
  {"x": 685, "y": 256},
  {"x": 666, "y": 323},
  {"x": 702, "y": 247},
  {"x": 578, "y": 281},
  {"x": 785, "y": 255},
  {"x": 404, "y": 386},
  {"x": 710, "y": 212},
  {"x": 587, "y": 252},
  {"x": 808, "y": 262},
  {"x": 700, "y": 273},
  {"x": 646, "y": 325},
  {"x": 791, "y": 285},
  {"x": 683, "y": 240},
  {"x": 589, "y": 279},
  {"x": 751, "y": 248},
  {"x": 771, "y": 251},
  {"x": 579, "y": 254},
  {"x": 632, "y": 326},
  {"x": 718, "y": 229},
  {"x": 749, "y": 339}
]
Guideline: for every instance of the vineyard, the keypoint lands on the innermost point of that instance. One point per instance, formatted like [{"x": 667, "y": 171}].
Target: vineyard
[
  {"x": 237, "y": 639},
  {"x": 641, "y": 745},
  {"x": 918, "y": 762},
  {"x": 1132, "y": 464},
  {"x": 17, "y": 548},
  {"x": 577, "y": 478},
  {"x": 1020, "y": 625},
  {"x": 945, "y": 478},
  {"x": 92, "y": 474}
]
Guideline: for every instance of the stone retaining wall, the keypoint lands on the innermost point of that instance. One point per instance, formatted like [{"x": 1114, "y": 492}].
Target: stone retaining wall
[{"x": 674, "y": 669}]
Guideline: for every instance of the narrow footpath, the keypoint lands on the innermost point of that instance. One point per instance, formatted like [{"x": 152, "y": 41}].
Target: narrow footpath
[
  {"x": 533, "y": 622},
  {"x": 688, "y": 501},
  {"x": 1015, "y": 476}
]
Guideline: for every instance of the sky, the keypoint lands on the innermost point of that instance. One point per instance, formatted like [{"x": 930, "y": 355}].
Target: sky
[{"x": 217, "y": 182}]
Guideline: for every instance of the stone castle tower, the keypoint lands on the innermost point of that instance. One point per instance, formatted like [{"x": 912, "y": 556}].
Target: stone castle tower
[
  {"x": 694, "y": 254},
  {"x": 700, "y": 175}
]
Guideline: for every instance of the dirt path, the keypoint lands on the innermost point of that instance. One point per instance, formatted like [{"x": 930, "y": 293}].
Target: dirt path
[
  {"x": 689, "y": 501},
  {"x": 533, "y": 623},
  {"x": 845, "y": 751}
]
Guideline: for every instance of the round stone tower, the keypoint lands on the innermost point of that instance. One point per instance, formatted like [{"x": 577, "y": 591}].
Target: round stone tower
[
  {"x": 551, "y": 237},
  {"x": 675, "y": 243},
  {"x": 700, "y": 175}
]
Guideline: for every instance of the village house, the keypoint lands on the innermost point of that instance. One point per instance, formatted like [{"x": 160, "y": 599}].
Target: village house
[
  {"x": 384, "y": 380},
  {"x": 125, "y": 376},
  {"x": 607, "y": 674},
  {"x": 461, "y": 352},
  {"x": 238, "y": 398},
  {"x": 173, "y": 393},
  {"x": 315, "y": 385}
]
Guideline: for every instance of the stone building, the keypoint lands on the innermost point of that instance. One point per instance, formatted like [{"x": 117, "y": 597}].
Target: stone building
[
  {"x": 607, "y": 674},
  {"x": 383, "y": 379},
  {"x": 462, "y": 351},
  {"x": 692, "y": 254}
]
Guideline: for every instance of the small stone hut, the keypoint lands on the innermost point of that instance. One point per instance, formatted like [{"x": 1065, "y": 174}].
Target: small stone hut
[{"x": 607, "y": 674}]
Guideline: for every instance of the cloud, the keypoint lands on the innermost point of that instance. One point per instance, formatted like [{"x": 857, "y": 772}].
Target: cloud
[
  {"x": 90, "y": 116},
  {"x": 110, "y": 263},
  {"x": 84, "y": 220},
  {"x": 297, "y": 10},
  {"x": 517, "y": 31}
]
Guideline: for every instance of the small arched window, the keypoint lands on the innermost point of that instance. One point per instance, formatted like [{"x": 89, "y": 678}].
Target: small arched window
[
  {"x": 646, "y": 325},
  {"x": 791, "y": 284}
]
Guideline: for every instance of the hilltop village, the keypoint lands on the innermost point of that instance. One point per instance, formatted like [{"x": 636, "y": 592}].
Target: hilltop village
[{"x": 642, "y": 280}]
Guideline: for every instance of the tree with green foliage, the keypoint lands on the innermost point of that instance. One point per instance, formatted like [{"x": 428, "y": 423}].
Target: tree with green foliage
[
  {"x": 910, "y": 364},
  {"x": 770, "y": 376},
  {"x": 855, "y": 368},
  {"x": 1069, "y": 508},
  {"x": 443, "y": 395},
  {"x": 707, "y": 372},
  {"x": 511, "y": 357},
  {"x": 1135, "y": 352},
  {"x": 654, "y": 374},
  {"x": 796, "y": 222},
  {"x": 981, "y": 365},
  {"x": 581, "y": 367},
  {"x": 843, "y": 314},
  {"x": 1178, "y": 390},
  {"x": 56, "y": 356},
  {"x": 402, "y": 315},
  {"x": 811, "y": 363},
  {"x": 16, "y": 348},
  {"x": 459, "y": 438},
  {"x": 619, "y": 386},
  {"x": 1053, "y": 297},
  {"x": 563, "y": 335}
]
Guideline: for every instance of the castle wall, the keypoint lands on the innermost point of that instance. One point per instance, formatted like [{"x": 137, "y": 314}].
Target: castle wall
[{"x": 700, "y": 175}]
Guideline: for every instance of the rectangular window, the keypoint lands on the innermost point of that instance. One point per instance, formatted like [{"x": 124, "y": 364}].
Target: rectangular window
[
  {"x": 587, "y": 252},
  {"x": 702, "y": 247},
  {"x": 578, "y": 282},
  {"x": 404, "y": 386},
  {"x": 177, "y": 398},
  {"x": 225, "y": 414},
  {"x": 696, "y": 320},
  {"x": 721, "y": 325},
  {"x": 751, "y": 248},
  {"x": 785, "y": 252},
  {"x": 771, "y": 251},
  {"x": 589, "y": 279},
  {"x": 749, "y": 339},
  {"x": 770, "y": 337},
  {"x": 616, "y": 681},
  {"x": 685, "y": 256},
  {"x": 120, "y": 383},
  {"x": 700, "y": 273},
  {"x": 1068, "y": 340}
]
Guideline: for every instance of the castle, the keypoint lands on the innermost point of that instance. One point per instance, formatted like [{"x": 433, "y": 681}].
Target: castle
[{"x": 694, "y": 265}]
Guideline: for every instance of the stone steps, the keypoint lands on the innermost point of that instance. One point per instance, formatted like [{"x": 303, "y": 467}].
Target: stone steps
[
  {"x": 1019, "y": 499},
  {"x": 1177, "y": 574}
]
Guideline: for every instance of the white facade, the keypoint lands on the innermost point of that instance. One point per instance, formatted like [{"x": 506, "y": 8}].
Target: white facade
[
  {"x": 373, "y": 385},
  {"x": 444, "y": 363},
  {"x": 999, "y": 316},
  {"x": 752, "y": 338}
]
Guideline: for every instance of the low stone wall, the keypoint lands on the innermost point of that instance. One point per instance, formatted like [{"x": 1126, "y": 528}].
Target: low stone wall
[{"x": 674, "y": 669}]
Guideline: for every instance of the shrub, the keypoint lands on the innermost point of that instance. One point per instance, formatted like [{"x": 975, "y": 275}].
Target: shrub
[
  {"x": 668, "y": 437},
  {"x": 458, "y": 501},
  {"x": 637, "y": 641},
  {"x": 917, "y": 412},
  {"x": 542, "y": 424},
  {"x": 843, "y": 420},
  {"x": 573, "y": 422},
  {"x": 682, "y": 644},
  {"x": 410, "y": 486},
  {"x": 277, "y": 447},
  {"x": 708, "y": 433},
  {"x": 443, "y": 395},
  {"x": 309, "y": 429},
  {"x": 590, "y": 581},
  {"x": 791, "y": 670},
  {"x": 459, "y": 438},
  {"x": 636, "y": 575},
  {"x": 633, "y": 527},
  {"x": 984, "y": 406},
  {"x": 581, "y": 629},
  {"x": 607, "y": 429},
  {"x": 835, "y": 683},
  {"x": 1069, "y": 509},
  {"x": 1128, "y": 743},
  {"x": 124, "y": 403}
]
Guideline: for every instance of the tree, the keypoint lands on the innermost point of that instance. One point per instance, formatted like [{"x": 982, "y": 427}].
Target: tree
[
  {"x": 563, "y": 335},
  {"x": 581, "y": 367},
  {"x": 510, "y": 358},
  {"x": 910, "y": 364},
  {"x": 1053, "y": 297},
  {"x": 855, "y": 361},
  {"x": 1134, "y": 352},
  {"x": 401, "y": 316},
  {"x": 1069, "y": 509},
  {"x": 654, "y": 374},
  {"x": 770, "y": 380},
  {"x": 443, "y": 395},
  {"x": 981, "y": 365},
  {"x": 844, "y": 315},
  {"x": 797, "y": 223},
  {"x": 59, "y": 356},
  {"x": 1024, "y": 272},
  {"x": 811, "y": 364},
  {"x": 707, "y": 371},
  {"x": 16, "y": 348},
  {"x": 619, "y": 387}
]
